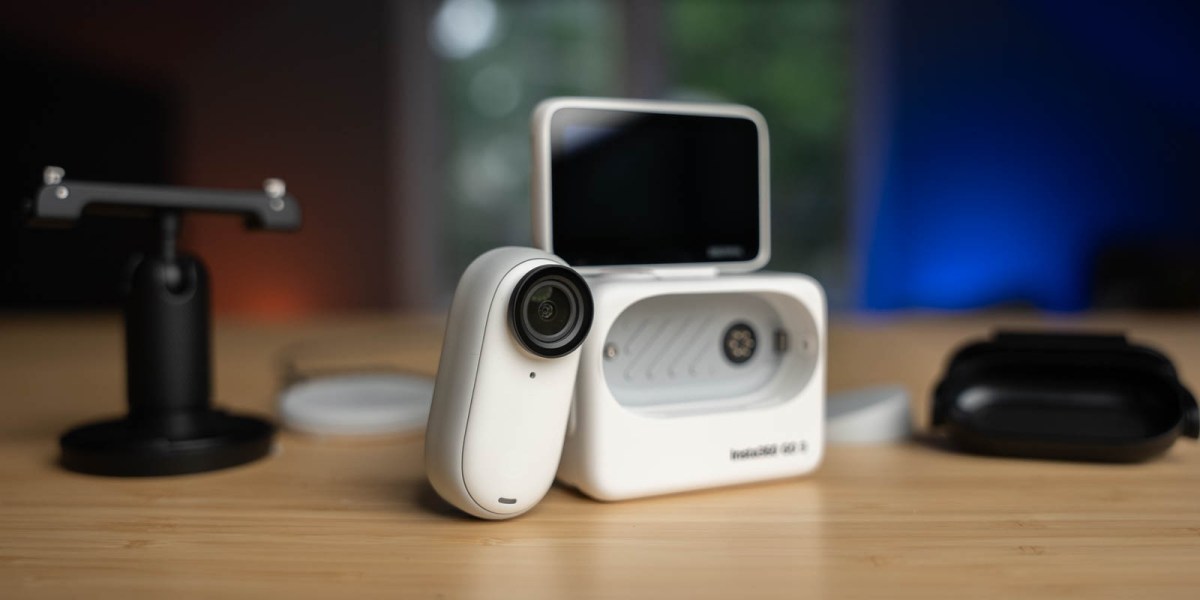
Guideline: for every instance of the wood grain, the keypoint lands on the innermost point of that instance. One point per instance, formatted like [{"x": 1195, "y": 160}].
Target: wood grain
[{"x": 328, "y": 517}]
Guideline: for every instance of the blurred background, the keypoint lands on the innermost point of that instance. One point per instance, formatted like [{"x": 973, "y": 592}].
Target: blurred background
[{"x": 925, "y": 153}]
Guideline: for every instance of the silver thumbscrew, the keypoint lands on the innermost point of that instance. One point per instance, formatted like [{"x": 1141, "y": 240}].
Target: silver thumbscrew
[
  {"x": 275, "y": 189},
  {"x": 53, "y": 175}
]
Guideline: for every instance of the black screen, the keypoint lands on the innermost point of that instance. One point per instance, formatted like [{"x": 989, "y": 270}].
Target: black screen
[{"x": 636, "y": 188}]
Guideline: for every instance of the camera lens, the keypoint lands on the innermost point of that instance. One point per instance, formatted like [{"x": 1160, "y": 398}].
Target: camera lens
[{"x": 551, "y": 310}]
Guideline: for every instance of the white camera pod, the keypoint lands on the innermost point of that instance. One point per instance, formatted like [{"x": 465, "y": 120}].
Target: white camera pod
[
  {"x": 504, "y": 383},
  {"x": 697, "y": 382},
  {"x": 699, "y": 372}
]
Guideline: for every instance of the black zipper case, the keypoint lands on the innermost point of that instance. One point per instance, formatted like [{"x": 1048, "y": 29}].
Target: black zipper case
[{"x": 1063, "y": 396}]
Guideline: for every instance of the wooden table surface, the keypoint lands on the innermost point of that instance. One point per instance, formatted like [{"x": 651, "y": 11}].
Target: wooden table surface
[{"x": 329, "y": 517}]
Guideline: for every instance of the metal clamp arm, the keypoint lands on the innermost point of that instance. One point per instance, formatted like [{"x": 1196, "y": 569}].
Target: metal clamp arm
[{"x": 60, "y": 200}]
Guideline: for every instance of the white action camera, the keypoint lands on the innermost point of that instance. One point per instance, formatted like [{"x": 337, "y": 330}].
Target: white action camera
[
  {"x": 699, "y": 370},
  {"x": 505, "y": 380}
]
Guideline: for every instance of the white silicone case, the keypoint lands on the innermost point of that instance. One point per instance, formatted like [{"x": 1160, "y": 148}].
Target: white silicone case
[
  {"x": 616, "y": 452},
  {"x": 499, "y": 412}
]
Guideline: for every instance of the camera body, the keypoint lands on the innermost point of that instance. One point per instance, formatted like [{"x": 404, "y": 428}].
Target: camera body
[
  {"x": 696, "y": 382},
  {"x": 504, "y": 384},
  {"x": 700, "y": 371}
]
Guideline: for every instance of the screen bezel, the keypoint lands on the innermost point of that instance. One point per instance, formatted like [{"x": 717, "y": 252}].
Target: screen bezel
[{"x": 542, "y": 125}]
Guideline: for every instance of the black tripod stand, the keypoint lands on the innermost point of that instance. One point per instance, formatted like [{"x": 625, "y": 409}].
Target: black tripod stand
[{"x": 172, "y": 427}]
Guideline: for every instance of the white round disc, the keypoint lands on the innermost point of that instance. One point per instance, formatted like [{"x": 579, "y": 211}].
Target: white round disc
[
  {"x": 876, "y": 415},
  {"x": 362, "y": 404}
]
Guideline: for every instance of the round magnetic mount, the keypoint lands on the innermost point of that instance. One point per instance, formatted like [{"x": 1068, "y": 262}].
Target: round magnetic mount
[
  {"x": 360, "y": 404},
  {"x": 874, "y": 415},
  {"x": 188, "y": 443}
]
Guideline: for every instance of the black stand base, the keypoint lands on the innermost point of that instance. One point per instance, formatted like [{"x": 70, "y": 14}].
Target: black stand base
[{"x": 190, "y": 443}]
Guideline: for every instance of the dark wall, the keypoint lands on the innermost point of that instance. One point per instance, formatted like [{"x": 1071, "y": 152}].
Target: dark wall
[
  {"x": 222, "y": 94},
  {"x": 107, "y": 128}
]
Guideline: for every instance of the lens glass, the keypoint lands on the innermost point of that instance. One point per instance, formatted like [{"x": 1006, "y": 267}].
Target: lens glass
[{"x": 550, "y": 310}]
